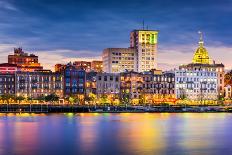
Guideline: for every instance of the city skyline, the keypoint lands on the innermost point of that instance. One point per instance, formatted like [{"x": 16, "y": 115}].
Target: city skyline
[{"x": 42, "y": 29}]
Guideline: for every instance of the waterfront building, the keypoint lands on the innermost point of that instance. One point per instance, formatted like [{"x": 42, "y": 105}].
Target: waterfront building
[
  {"x": 91, "y": 84},
  {"x": 147, "y": 87},
  {"x": 97, "y": 66},
  {"x": 131, "y": 87},
  {"x": 108, "y": 87},
  {"x": 201, "y": 61},
  {"x": 145, "y": 43},
  {"x": 7, "y": 83},
  {"x": 38, "y": 84},
  {"x": 159, "y": 88},
  {"x": 116, "y": 60},
  {"x": 74, "y": 82},
  {"x": 24, "y": 61},
  {"x": 196, "y": 85},
  {"x": 7, "y": 78}
]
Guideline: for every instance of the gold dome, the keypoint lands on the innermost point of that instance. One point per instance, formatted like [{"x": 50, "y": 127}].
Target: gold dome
[{"x": 201, "y": 55}]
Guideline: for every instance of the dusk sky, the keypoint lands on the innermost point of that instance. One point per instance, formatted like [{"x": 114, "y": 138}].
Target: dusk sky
[{"x": 59, "y": 31}]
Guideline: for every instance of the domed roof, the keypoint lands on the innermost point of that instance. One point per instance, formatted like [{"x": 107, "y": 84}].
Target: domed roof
[{"x": 201, "y": 55}]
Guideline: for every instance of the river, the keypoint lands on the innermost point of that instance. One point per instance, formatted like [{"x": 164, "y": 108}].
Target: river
[{"x": 125, "y": 133}]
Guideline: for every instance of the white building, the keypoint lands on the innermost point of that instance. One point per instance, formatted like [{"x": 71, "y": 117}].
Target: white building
[
  {"x": 196, "y": 85},
  {"x": 116, "y": 60}
]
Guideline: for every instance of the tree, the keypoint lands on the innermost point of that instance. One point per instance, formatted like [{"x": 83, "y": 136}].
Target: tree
[
  {"x": 103, "y": 99},
  {"x": 51, "y": 98},
  {"x": 19, "y": 98},
  {"x": 7, "y": 97},
  {"x": 91, "y": 97},
  {"x": 29, "y": 99},
  {"x": 40, "y": 98},
  {"x": 72, "y": 99},
  {"x": 125, "y": 98}
]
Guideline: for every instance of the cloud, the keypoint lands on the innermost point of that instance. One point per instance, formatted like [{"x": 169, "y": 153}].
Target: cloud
[
  {"x": 49, "y": 58},
  {"x": 7, "y": 6}
]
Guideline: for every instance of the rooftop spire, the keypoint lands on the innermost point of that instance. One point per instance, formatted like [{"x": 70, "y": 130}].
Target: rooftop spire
[{"x": 201, "y": 42}]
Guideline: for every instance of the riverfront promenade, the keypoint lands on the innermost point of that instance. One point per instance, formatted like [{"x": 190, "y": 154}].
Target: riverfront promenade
[{"x": 46, "y": 108}]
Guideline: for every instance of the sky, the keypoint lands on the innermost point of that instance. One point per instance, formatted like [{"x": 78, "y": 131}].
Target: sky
[{"x": 59, "y": 31}]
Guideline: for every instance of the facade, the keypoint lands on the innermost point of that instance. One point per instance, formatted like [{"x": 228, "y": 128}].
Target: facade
[
  {"x": 97, "y": 66},
  {"x": 38, "y": 83},
  {"x": 159, "y": 88},
  {"x": 7, "y": 78},
  {"x": 196, "y": 85},
  {"x": 91, "y": 83},
  {"x": 74, "y": 82},
  {"x": 145, "y": 43},
  {"x": 147, "y": 87},
  {"x": 116, "y": 60},
  {"x": 7, "y": 83},
  {"x": 218, "y": 68},
  {"x": 24, "y": 61},
  {"x": 131, "y": 87},
  {"x": 108, "y": 86}
]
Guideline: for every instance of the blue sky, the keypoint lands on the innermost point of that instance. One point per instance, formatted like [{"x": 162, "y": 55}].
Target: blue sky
[{"x": 81, "y": 29}]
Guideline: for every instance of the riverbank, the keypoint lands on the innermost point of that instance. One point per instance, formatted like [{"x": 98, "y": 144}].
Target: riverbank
[{"x": 44, "y": 108}]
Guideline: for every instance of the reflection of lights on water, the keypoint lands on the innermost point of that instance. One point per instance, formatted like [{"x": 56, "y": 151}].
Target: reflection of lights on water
[{"x": 69, "y": 114}]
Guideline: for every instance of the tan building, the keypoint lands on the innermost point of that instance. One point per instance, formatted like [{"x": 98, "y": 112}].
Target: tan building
[
  {"x": 145, "y": 42},
  {"x": 116, "y": 60}
]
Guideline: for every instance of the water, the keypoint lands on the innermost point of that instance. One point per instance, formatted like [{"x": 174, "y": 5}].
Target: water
[{"x": 160, "y": 133}]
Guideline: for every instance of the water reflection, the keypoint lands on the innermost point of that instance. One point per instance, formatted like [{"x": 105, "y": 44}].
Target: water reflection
[{"x": 127, "y": 133}]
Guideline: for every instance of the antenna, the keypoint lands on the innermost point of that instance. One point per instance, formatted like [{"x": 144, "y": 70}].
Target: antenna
[
  {"x": 147, "y": 27},
  {"x": 201, "y": 42},
  {"x": 143, "y": 24}
]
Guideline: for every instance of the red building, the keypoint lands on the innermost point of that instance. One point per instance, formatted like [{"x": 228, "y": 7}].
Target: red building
[
  {"x": 25, "y": 61},
  {"x": 8, "y": 68}
]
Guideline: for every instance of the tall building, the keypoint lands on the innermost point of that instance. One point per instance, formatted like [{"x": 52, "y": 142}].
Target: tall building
[
  {"x": 145, "y": 43},
  {"x": 25, "y": 61},
  {"x": 116, "y": 60},
  {"x": 139, "y": 57},
  {"x": 202, "y": 61}
]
